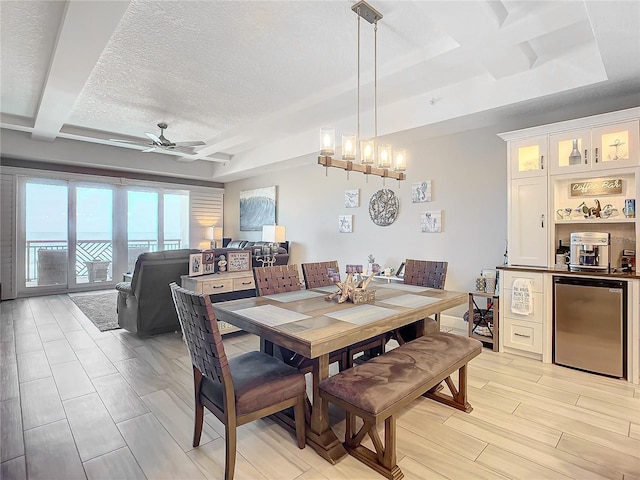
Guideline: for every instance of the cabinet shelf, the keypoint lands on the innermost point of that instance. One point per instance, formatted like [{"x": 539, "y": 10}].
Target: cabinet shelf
[{"x": 595, "y": 221}]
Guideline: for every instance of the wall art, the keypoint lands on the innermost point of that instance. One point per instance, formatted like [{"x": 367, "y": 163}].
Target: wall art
[
  {"x": 352, "y": 198},
  {"x": 421, "y": 192},
  {"x": 195, "y": 264},
  {"x": 431, "y": 222},
  {"x": 383, "y": 207},
  {"x": 345, "y": 223},
  {"x": 257, "y": 208}
]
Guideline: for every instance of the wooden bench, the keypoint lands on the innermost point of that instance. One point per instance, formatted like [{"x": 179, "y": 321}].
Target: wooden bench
[{"x": 379, "y": 389}]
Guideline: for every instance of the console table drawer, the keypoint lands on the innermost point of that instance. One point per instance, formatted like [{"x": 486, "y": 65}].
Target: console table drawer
[
  {"x": 246, "y": 283},
  {"x": 522, "y": 335},
  {"x": 221, "y": 285}
]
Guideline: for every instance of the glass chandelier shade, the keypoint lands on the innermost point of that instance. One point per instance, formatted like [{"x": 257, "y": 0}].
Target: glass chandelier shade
[
  {"x": 349, "y": 142},
  {"x": 384, "y": 156}
]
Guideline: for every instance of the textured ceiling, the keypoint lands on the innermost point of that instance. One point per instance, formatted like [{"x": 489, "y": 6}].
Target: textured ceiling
[{"x": 256, "y": 79}]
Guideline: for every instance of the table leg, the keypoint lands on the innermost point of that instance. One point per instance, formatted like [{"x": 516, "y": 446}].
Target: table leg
[{"x": 319, "y": 434}]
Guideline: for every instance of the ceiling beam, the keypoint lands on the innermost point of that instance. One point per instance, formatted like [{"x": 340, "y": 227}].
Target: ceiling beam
[{"x": 85, "y": 30}]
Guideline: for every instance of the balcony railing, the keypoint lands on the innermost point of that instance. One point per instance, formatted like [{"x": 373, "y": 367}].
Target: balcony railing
[{"x": 88, "y": 250}]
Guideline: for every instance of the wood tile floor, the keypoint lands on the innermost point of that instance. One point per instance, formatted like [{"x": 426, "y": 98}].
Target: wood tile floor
[{"x": 77, "y": 403}]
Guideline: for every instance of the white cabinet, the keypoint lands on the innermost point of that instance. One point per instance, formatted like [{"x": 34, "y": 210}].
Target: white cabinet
[
  {"x": 528, "y": 157},
  {"x": 528, "y": 230},
  {"x": 600, "y": 148},
  {"x": 519, "y": 331}
]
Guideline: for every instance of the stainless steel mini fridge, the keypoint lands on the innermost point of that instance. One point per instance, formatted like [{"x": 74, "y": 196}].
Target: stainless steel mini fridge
[{"x": 590, "y": 324}]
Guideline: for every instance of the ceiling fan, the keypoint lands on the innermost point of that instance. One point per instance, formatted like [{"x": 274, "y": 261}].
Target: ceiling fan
[{"x": 163, "y": 143}]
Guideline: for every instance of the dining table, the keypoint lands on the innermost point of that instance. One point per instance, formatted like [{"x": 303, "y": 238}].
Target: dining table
[{"x": 308, "y": 323}]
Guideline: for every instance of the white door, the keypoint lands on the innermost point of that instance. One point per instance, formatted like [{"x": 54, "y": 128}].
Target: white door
[{"x": 528, "y": 243}]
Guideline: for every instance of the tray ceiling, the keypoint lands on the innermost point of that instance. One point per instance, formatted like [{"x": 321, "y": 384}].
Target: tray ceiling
[{"x": 256, "y": 80}]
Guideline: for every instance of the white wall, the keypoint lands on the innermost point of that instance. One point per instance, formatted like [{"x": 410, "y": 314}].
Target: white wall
[{"x": 468, "y": 174}]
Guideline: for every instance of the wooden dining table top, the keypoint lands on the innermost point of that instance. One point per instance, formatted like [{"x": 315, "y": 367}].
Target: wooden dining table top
[{"x": 306, "y": 323}]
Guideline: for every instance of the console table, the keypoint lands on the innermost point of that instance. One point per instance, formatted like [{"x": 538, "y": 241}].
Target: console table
[{"x": 222, "y": 287}]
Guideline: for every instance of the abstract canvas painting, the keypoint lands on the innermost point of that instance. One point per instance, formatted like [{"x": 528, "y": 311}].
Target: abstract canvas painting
[
  {"x": 431, "y": 222},
  {"x": 257, "y": 208}
]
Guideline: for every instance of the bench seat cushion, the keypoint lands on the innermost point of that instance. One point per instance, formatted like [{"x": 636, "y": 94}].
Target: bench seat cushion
[{"x": 383, "y": 381}]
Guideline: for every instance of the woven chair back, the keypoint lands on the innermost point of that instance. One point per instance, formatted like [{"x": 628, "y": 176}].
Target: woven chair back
[
  {"x": 276, "y": 279},
  {"x": 425, "y": 273},
  {"x": 315, "y": 274},
  {"x": 201, "y": 334}
]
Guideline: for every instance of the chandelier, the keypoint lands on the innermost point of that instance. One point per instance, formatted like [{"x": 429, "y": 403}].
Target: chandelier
[{"x": 374, "y": 158}]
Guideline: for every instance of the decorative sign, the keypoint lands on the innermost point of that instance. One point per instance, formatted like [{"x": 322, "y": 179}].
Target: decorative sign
[
  {"x": 239, "y": 261},
  {"x": 597, "y": 186}
]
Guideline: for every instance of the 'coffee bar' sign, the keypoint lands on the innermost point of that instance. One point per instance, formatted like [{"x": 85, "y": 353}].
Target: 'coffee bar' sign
[{"x": 597, "y": 186}]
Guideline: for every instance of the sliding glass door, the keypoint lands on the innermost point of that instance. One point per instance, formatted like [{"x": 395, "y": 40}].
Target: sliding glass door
[
  {"x": 46, "y": 247},
  {"x": 82, "y": 235},
  {"x": 93, "y": 234}
]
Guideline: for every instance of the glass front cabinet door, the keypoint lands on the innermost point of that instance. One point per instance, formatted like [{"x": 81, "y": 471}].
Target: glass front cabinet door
[
  {"x": 570, "y": 151},
  {"x": 528, "y": 157},
  {"x": 615, "y": 146}
]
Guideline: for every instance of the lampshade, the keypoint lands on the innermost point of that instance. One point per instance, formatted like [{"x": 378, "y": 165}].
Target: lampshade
[
  {"x": 217, "y": 233},
  {"x": 349, "y": 146},
  {"x": 327, "y": 141},
  {"x": 367, "y": 152},
  {"x": 274, "y": 233},
  {"x": 401, "y": 160},
  {"x": 384, "y": 156},
  {"x": 210, "y": 233}
]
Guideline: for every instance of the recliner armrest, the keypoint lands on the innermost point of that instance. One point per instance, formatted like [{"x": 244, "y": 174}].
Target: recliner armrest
[{"x": 124, "y": 287}]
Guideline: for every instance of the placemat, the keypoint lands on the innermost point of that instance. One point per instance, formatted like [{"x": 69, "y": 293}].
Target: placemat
[
  {"x": 406, "y": 288},
  {"x": 287, "y": 297},
  {"x": 362, "y": 314},
  {"x": 410, "y": 301},
  {"x": 328, "y": 289},
  {"x": 271, "y": 315}
]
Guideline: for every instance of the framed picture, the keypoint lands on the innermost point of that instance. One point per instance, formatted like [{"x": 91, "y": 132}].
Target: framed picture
[
  {"x": 431, "y": 222},
  {"x": 421, "y": 192},
  {"x": 257, "y": 208},
  {"x": 345, "y": 223},
  {"x": 352, "y": 198},
  {"x": 239, "y": 261},
  {"x": 195, "y": 264}
]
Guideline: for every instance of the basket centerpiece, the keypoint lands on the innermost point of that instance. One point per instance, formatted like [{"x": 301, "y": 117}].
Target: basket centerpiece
[{"x": 354, "y": 290}]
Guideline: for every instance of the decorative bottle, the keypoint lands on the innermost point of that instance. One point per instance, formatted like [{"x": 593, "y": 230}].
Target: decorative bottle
[{"x": 575, "y": 158}]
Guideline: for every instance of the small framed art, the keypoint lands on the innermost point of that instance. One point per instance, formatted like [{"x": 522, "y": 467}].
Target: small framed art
[
  {"x": 195, "y": 264},
  {"x": 239, "y": 261}
]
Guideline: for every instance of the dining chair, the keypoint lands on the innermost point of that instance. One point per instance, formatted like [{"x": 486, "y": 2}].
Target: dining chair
[
  {"x": 239, "y": 389},
  {"x": 281, "y": 279},
  {"x": 276, "y": 279},
  {"x": 423, "y": 273},
  {"x": 316, "y": 274}
]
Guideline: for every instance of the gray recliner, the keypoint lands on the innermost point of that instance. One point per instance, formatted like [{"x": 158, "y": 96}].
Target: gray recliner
[{"x": 145, "y": 305}]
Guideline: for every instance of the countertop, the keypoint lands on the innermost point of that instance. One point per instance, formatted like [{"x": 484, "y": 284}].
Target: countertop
[{"x": 621, "y": 275}]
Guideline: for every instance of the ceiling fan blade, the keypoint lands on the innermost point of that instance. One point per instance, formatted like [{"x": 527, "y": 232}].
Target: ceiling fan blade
[
  {"x": 155, "y": 138},
  {"x": 195, "y": 143},
  {"x": 121, "y": 140}
]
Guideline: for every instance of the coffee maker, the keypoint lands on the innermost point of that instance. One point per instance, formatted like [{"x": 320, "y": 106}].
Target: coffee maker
[{"x": 589, "y": 252}]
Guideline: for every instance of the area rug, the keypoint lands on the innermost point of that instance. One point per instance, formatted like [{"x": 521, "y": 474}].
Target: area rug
[{"x": 100, "y": 308}]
